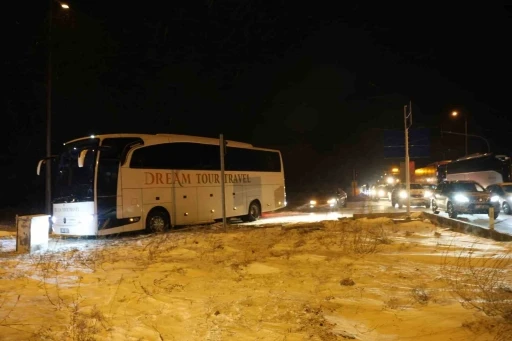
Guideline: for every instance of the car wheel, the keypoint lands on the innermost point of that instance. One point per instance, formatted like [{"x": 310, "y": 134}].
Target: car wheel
[
  {"x": 427, "y": 205},
  {"x": 435, "y": 210},
  {"x": 451, "y": 211},
  {"x": 400, "y": 205},
  {"x": 506, "y": 208},
  {"x": 496, "y": 215}
]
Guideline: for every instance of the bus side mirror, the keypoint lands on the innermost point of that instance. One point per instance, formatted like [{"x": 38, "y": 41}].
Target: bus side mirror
[
  {"x": 39, "y": 164},
  {"x": 81, "y": 158}
]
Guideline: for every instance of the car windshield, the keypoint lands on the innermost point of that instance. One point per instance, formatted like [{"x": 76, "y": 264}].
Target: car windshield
[
  {"x": 324, "y": 193},
  {"x": 507, "y": 188},
  {"x": 413, "y": 186},
  {"x": 467, "y": 187}
]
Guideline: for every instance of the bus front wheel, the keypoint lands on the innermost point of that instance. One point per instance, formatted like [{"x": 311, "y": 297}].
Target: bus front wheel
[
  {"x": 157, "y": 221},
  {"x": 254, "y": 212}
]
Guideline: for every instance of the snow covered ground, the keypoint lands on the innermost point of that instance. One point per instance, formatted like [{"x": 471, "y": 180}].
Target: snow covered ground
[{"x": 326, "y": 279}]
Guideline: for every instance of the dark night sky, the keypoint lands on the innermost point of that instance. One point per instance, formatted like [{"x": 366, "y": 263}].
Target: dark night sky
[{"x": 321, "y": 82}]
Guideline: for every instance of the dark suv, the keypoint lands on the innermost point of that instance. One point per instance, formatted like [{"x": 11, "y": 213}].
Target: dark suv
[{"x": 464, "y": 197}]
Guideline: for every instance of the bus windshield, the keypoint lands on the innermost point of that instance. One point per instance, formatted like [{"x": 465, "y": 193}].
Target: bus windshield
[{"x": 74, "y": 183}]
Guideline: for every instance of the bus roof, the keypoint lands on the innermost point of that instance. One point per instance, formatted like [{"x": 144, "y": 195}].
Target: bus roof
[{"x": 150, "y": 139}]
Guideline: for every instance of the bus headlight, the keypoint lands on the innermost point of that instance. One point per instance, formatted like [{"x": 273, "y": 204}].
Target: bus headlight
[
  {"x": 495, "y": 198},
  {"x": 427, "y": 194},
  {"x": 402, "y": 194},
  {"x": 461, "y": 198}
]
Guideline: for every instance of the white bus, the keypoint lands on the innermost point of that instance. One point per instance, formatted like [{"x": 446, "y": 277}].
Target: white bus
[
  {"x": 486, "y": 169},
  {"x": 109, "y": 184}
]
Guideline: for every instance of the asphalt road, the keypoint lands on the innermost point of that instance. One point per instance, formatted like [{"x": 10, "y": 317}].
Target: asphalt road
[{"x": 295, "y": 213}]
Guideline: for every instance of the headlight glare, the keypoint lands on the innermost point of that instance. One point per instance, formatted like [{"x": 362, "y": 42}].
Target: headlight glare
[
  {"x": 331, "y": 201},
  {"x": 461, "y": 198},
  {"x": 495, "y": 198},
  {"x": 402, "y": 194},
  {"x": 86, "y": 218},
  {"x": 427, "y": 194},
  {"x": 312, "y": 202}
]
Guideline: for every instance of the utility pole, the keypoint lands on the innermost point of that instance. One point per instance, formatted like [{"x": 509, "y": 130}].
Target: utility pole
[
  {"x": 466, "y": 132},
  {"x": 407, "y": 125},
  {"x": 222, "y": 146},
  {"x": 48, "y": 175}
]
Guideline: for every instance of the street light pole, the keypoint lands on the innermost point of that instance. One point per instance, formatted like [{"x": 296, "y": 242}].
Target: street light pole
[
  {"x": 470, "y": 135},
  {"x": 407, "y": 124},
  {"x": 466, "y": 132},
  {"x": 455, "y": 114},
  {"x": 48, "y": 178}
]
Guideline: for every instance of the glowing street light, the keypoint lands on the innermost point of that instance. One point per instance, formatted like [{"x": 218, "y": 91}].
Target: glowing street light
[
  {"x": 455, "y": 114},
  {"x": 63, "y": 5}
]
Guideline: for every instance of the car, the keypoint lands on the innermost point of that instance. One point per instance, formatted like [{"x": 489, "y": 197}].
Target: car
[
  {"x": 504, "y": 191},
  {"x": 380, "y": 192},
  {"x": 328, "y": 199},
  {"x": 419, "y": 195},
  {"x": 464, "y": 197}
]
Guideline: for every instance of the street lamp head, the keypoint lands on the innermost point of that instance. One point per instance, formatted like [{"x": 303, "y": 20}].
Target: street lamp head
[
  {"x": 455, "y": 113},
  {"x": 63, "y": 5}
]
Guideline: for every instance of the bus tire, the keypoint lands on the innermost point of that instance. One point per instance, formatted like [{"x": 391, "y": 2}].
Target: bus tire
[
  {"x": 157, "y": 221},
  {"x": 254, "y": 212}
]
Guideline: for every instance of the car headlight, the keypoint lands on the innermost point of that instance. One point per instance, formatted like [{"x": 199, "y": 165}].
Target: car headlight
[
  {"x": 402, "y": 194},
  {"x": 372, "y": 192},
  {"x": 495, "y": 198},
  {"x": 312, "y": 202},
  {"x": 427, "y": 194},
  {"x": 381, "y": 193},
  {"x": 461, "y": 198},
  {"x": 331, "y": 201}
]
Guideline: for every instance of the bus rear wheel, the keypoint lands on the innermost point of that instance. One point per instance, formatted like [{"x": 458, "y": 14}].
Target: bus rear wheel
[
  {"x": 254, "y": 212},
  {"x": 157, "y": 221}
]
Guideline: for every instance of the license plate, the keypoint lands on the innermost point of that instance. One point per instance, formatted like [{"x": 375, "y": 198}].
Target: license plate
[
  {"x": 64, "y": 230},
  {"x": 480, "y": 207}
]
